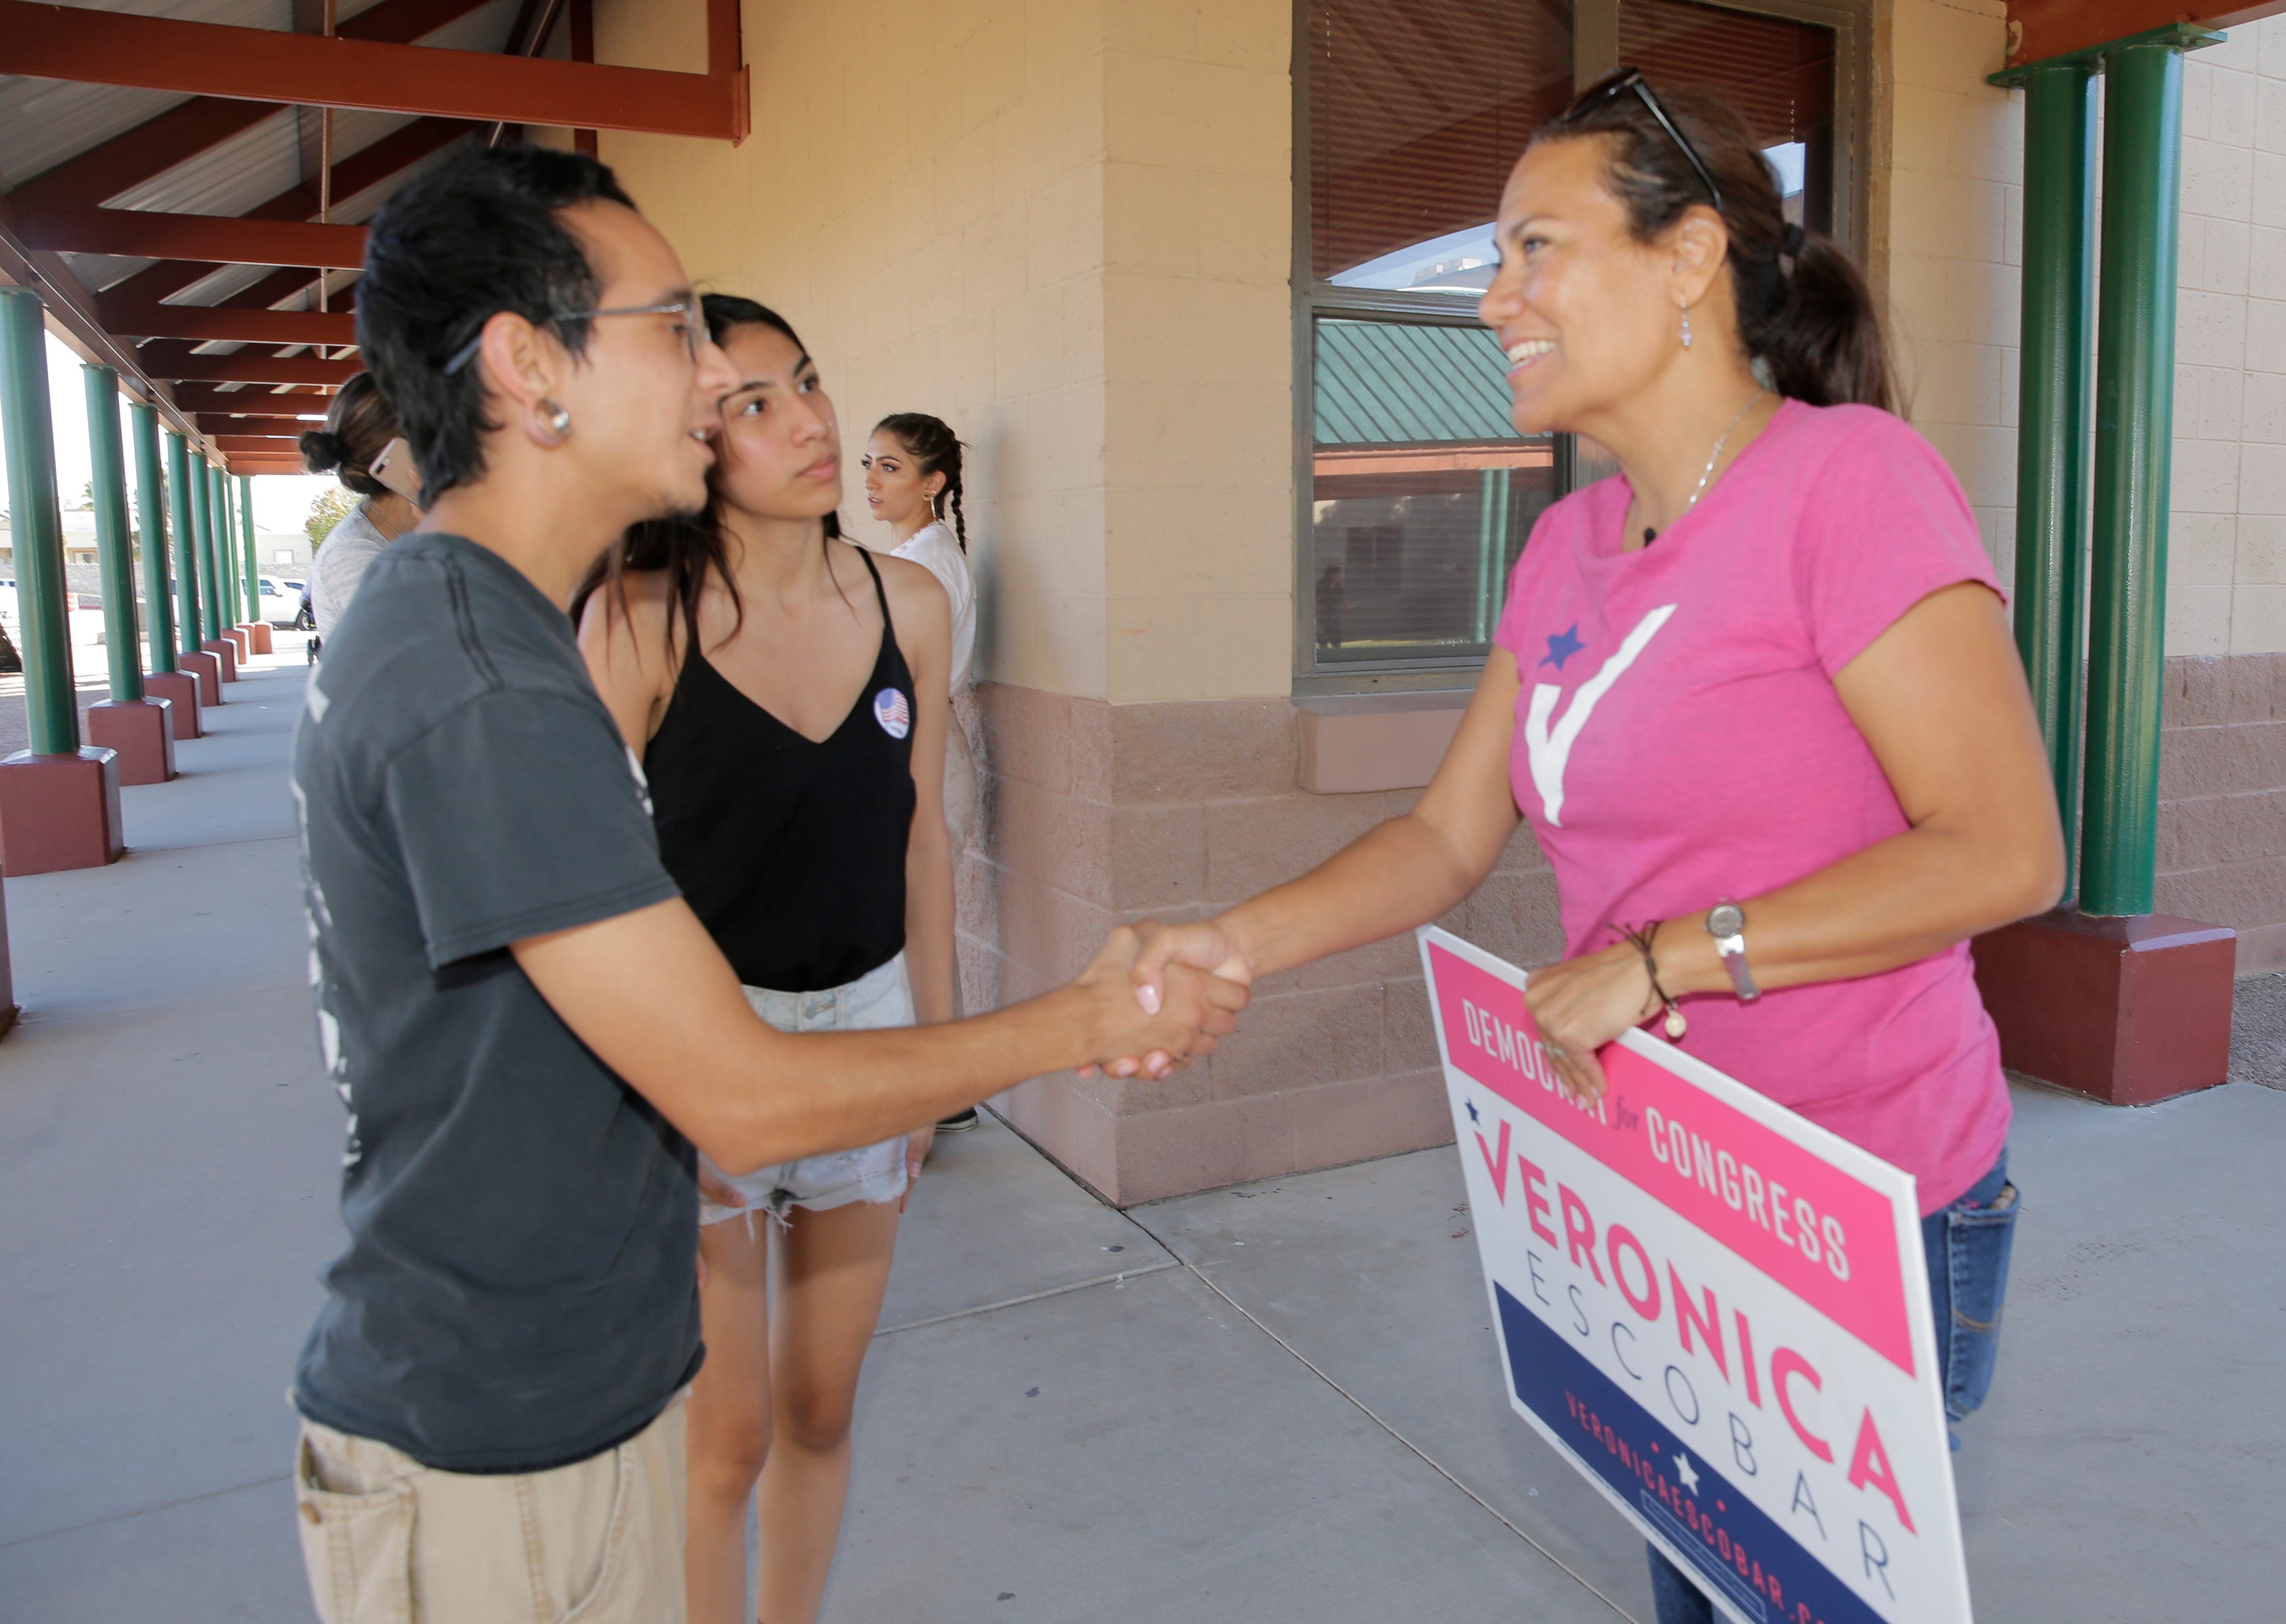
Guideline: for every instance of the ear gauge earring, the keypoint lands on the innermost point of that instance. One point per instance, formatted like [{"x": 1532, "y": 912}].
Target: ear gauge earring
[
  {"x": 1686, "y": 327},
  {"x": 556, "y": 420}
]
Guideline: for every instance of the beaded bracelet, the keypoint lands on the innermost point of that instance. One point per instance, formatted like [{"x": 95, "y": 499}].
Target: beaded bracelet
[{"x": 1642, "y": 939}]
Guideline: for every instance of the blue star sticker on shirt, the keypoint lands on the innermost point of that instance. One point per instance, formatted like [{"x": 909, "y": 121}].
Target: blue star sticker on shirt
[
  {"x": 1563, "y": 646},
  {"x": 1472, "y": 1112}
]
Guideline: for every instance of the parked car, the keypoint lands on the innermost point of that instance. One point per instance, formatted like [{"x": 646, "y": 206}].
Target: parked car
[
  {"x": 282, "y": 600},
  {"x": 73, "y": 602}
]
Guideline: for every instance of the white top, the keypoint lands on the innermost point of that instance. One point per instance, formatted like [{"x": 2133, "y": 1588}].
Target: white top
[
  {"x": 934, "y": 547},
  {"x": 349, "y": 547}
]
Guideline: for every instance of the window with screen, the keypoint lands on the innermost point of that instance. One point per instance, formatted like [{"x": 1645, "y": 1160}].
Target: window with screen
[{"x": 1419, "y": 494}]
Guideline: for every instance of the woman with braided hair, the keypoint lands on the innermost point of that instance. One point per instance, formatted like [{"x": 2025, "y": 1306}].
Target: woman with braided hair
[{"x": 913, "y": 482}]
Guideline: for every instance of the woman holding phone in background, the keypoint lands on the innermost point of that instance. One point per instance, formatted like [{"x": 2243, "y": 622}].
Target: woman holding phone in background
[{"x": 360, "y": 447}]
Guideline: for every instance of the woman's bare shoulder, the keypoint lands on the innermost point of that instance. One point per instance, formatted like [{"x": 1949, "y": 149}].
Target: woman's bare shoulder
[
  {"x": 912, "y": 584},
  {"x": 633, "y": 611}
]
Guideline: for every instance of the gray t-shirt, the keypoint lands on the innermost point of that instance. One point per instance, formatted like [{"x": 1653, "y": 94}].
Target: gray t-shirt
[{"x": 520, "y": 1288}]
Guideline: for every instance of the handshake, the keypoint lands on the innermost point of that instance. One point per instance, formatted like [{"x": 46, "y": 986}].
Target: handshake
[{"x": 1161, "y": 996}]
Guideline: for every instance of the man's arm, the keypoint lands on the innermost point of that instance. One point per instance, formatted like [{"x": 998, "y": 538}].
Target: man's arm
[{"x": 653, "y": 997}]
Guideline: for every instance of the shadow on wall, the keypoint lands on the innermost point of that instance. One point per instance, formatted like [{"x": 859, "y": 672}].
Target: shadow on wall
[{"x": 2257, "y": 1030}]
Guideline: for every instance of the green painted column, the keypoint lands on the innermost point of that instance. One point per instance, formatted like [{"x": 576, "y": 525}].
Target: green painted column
[
  {"x": 42, "y": 625},
  {"x": 203, "y": 548},
  {"x": 2134, "y": 426},
  {"x": 215, "y": 589},
  {"x": 2051, "y": 463},
  {"x": 151, "y": 508},
  {"x": 114, "y": 550},
  {"x": 1491, "y": 548},
  {"x": 183, "y": 498},
  {"x": 246, "y": 548},
  {"x": 225, "y": 550}
]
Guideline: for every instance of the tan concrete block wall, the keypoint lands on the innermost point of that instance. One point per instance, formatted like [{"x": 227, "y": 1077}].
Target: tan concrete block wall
[
  {"x": 1066, "y": 230},
  {"x": 2222, "y": 800},
  {"x": 1098, "y": 813}
]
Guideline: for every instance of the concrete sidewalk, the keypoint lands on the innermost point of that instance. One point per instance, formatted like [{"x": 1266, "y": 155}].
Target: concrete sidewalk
[{"x": 1274, "y": 1403}]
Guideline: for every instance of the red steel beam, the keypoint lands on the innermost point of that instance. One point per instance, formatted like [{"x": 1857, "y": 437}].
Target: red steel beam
[
  {"x": 206, "y": 398},
  {"x": 257, "y": 445},
  {"x": 249, "y": 464},
  {"x": 251, "y": 366},
  {"x": 157, "y": 144},
  {"x": 161, "y": 53},
  {"x": 71, "y": 307},
  {"x": 2039, "y": 30},
  {"x": 203, "y": 323},
  {"x": 365, "y": 167},
  {"x": 142, "y": 233},
  {"x": 280, "y": 428}
]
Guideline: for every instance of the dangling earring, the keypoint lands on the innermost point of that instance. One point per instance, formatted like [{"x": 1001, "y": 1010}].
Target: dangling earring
[
  {"x": 1686, "y": 327},
  {"x": 556, "y": 420}
]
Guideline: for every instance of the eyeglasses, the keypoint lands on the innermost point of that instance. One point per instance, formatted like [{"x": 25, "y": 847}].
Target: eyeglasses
[
  {"x": 694, "y": 323},
  {"x": 1607, "y": 91}
]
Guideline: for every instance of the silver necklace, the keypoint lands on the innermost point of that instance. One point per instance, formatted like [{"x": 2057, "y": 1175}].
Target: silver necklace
[{"x": 1712, "y": 457}]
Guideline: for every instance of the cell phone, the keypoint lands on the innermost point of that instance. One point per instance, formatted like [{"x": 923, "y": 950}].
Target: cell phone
[{"x": 394, "y": 469}]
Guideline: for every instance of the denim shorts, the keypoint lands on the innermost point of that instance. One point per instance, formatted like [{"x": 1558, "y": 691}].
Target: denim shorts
[{"x": 879, "y": 998}]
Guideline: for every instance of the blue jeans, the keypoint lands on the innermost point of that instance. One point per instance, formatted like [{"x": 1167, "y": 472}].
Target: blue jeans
[{"x": 1967, "y": 1245}]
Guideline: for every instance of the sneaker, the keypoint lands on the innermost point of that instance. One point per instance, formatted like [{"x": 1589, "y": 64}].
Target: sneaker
[{"x": 960, "y": 1122}]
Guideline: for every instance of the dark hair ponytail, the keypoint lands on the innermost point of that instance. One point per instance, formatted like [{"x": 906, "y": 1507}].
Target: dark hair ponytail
[
  {"x": 931, "y": 443},
  {"x": 1804, "y": 310},
  {"x": 358, "y": 423},
  {"x": 690, "y": 546}
]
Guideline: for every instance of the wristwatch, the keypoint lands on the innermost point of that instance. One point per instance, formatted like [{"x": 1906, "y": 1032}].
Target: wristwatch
[{"x": 1726, "y": 922}]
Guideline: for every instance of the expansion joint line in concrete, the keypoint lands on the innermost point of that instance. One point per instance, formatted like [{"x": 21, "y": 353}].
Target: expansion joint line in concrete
[
  {"x": 1121, "y": 1278},
  {"x": 1367, "y": 1410},
  {"x": 163, "y": 1505}
]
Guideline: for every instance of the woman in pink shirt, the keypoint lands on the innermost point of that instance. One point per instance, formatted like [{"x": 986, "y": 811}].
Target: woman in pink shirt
[{"x": 1757, "y": 695}]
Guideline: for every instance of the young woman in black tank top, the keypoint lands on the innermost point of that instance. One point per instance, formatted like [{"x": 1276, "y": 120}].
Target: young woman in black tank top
[{"x": 786, "y": 692}]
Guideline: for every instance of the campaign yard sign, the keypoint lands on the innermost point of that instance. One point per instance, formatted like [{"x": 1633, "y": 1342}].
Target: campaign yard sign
[{"x": 1718, "y": 1311}]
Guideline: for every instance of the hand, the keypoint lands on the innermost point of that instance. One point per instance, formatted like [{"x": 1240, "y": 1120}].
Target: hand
[
  {"x": 714, "y": 1188},
  {"x": 1584, "y": 1003},
  {"x": 1201, "y": 944},
  {"x": 1195, "y": 1009},
  {"x": 917, "y": 1149}
]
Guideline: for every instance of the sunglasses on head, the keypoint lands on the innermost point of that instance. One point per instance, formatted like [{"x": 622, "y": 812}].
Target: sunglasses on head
[{"x": 1610, "y": 88}]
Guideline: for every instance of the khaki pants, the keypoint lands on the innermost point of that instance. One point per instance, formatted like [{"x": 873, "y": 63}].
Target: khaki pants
[{"x": 389, "y": 1540}]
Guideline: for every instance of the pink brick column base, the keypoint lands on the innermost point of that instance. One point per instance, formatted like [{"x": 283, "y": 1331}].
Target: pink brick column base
[
  {"x": 59, "y": 812},
  {"x": 140, "y": 731},
  {"x": 225, "y": 649},
  {"x": 180, "y": 689},
  {"x": 207, "y": 669}
]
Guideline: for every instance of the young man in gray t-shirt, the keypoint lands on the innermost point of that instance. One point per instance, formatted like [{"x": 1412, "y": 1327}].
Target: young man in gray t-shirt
[{"x": 528, "y": 1026}]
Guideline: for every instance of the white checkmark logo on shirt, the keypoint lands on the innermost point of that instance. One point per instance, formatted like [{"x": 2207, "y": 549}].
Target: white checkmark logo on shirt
[{"x": 1548, "y": 752}]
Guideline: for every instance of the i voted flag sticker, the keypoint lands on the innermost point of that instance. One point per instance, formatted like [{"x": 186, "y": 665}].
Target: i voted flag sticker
[{"x": 891, "y": 711}]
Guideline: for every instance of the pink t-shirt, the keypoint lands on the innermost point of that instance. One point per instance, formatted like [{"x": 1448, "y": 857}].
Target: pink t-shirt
[{"x": 1679, "y": 740}]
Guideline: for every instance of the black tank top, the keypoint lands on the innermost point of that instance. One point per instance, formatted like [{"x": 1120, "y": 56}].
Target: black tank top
[{"x": 792, "y": 852}]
